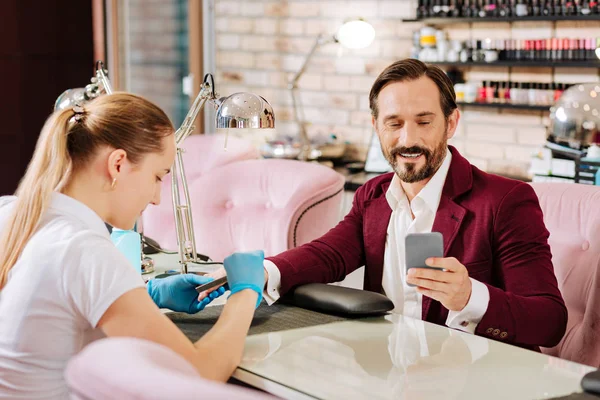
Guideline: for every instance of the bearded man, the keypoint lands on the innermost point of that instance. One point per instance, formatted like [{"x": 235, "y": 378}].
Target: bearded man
[{"x": 497, "y": 278}]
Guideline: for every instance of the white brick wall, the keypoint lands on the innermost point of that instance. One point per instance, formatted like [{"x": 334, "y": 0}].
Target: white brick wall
[{"x": 262, "y": 43}]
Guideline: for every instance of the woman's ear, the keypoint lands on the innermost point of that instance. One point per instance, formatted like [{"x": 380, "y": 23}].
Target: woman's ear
[{"x": 116, "y": 160}]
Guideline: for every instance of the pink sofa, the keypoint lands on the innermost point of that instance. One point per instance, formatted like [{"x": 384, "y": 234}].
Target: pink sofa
[
  {"x": 572, "y": 215},
  {"x": 127, "y": 368},
  {"x": 273, "y": 205}
]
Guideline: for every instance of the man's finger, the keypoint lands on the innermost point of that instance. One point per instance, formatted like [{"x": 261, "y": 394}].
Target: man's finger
[
  {"x": 447, "y": 263},
  {"x": 431, "y": 274},
  {"x": 429, "y": 284}
]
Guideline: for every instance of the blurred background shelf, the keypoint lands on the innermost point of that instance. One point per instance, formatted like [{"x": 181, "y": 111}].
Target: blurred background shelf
[
  {"x": 523, "y": 64},
  {"x": 550, "y": 18},
  {"x": 505, "y": 106}
]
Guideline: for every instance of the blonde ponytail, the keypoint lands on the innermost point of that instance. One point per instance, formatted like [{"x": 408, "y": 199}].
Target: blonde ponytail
[
  {"x": 48, "y": 171},
  {"x": 119, "y": 120}
]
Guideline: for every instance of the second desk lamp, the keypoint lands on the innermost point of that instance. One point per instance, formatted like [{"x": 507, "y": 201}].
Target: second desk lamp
[{"x": 353, "y": 34}]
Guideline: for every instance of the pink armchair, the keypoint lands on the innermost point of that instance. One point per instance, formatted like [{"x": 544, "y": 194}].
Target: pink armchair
[
  {"x": 273, "y": 205},
  {"x": 572, "y": 215},
  {"x": 128, "y": 368},
  {"x": 205, "y": 152}
]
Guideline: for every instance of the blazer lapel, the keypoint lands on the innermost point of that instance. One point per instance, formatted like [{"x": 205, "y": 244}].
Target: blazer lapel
[
  {"x": 450, "y": 215},
  {"x": 376, "y": 219}
]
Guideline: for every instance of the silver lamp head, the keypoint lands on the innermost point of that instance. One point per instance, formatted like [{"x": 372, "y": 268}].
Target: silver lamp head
[
  {"x": 245, "y": 110},
  {"x": 99, "y": 85},
  {"x": 575, "y": 118},
  {"x": 69, "y": 98}
]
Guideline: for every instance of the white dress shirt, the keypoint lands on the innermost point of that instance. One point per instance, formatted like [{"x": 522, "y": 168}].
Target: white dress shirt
[{"x": 406, "y": 299}]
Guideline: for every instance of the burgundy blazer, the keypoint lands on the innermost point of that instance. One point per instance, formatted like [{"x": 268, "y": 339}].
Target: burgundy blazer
[{"x": 492, "y": 225}]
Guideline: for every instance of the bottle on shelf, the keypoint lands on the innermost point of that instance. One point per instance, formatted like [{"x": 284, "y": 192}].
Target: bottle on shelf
[
  {"x": 432, "y": 45},
  {"x": 517, "y": 93},
  {"x": 506, "y": 8}
]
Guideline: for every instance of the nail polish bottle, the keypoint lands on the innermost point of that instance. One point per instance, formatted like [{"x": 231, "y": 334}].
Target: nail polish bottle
[
  {"x": 507, "y": 98},
  {"x": 531, "y": 93},
  {"x": 518, "y": 50},
  {"x": 590, "y": 50},
  {"x": 585, "y": 8},
  {"x": 569, "y": 49},
  {"x": 455, "y": 8},
  {"x": 559, "y": 51},
  {"x": 546, "y": 8},
  {"x": 554, "y": 51},
  {"x": 558, "y": 9},
  {"x": 482, "y": 93},
  {"x": 547, "y": 53},
  {"x": 466, "y": 9},
  {"x": 582, "y": 51},
  {"x": 514, "y": 92},
  {"x": 535, "y": 8},
  {"x": 501, "y": 92},
  {"x": 521, "y": 10},
  {"x": 490, "y": 92}
]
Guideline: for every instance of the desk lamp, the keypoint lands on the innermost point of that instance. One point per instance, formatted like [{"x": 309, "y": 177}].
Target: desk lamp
[
  {"x": 353, "y": 34},
  {"x": 239, "y": 110}
]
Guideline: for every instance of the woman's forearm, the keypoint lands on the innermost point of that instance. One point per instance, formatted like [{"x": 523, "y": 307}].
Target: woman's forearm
[{"x": 220, "y": 350}]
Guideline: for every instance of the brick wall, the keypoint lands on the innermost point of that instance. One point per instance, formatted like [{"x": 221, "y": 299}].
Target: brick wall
[
  {"x": 154, "y": 54},
  {"x": 261, "y": 43}
]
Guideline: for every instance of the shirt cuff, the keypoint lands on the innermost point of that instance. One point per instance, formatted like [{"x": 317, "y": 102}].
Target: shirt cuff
[
  {"x": 470, "y": 316},
  {"x": 271, "y": 293}
]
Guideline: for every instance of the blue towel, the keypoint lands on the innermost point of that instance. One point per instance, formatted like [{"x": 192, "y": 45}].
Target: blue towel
[{"x": 130, "y": 244}]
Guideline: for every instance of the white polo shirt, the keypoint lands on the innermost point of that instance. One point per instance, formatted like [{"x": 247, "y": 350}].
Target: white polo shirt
[{"x": 66, "y": 278}]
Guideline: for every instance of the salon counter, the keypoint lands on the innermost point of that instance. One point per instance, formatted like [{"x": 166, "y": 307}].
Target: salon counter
[{"x": 390, "y": 357}]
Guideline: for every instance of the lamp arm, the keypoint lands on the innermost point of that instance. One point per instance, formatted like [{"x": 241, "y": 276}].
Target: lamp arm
[
  {"x": 296, "y": 102},
  {"x": 186, "y": 240},
  {"x": 102, "y": 78}
]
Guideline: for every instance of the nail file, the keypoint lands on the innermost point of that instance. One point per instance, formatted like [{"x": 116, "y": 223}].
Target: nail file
[{"x": 211, "y": 284}]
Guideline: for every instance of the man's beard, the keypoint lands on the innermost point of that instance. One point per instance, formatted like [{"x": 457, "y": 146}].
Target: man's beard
[{"x": 407, "y": 171}]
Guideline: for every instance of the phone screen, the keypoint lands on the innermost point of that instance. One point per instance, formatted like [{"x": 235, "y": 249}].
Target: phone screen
[{"x": 420, "y": 246}]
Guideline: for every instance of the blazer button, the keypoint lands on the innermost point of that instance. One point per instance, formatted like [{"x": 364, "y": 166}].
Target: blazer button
[
  {"x": 503, "y": 335},
  {"x": 496, "y": 332},
  {"x": 489, "y": 330}
]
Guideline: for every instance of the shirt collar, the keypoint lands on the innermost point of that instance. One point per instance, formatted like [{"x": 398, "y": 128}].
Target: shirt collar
[
  {"x": 431, "y": 192},
  {"x": 66, "y": 205}
]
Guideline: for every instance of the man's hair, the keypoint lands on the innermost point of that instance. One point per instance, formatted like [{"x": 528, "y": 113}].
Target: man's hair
[{"x": 410, "y": 70}]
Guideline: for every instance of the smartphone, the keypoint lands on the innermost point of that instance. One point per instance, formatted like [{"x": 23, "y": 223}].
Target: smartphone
[
  {"x": 211, "y": 284},
  {"x": 419, "y": 247}
]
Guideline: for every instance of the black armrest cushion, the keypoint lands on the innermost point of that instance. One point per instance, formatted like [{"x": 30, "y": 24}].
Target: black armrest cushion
[{"x": 338, "y": 300}]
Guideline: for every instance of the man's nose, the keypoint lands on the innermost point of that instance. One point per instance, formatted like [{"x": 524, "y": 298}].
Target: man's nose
[{"x": 408, "y": 136}]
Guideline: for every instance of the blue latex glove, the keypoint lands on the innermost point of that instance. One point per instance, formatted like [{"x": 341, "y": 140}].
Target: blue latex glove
[
  {"x": 178, "y": 292},
  {"x": 246, "y": 271}
]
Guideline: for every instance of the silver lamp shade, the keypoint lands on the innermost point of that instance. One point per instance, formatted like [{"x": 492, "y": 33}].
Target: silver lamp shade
[
  {"x": 575, "y": 118},
  {"x": 245, "y": 110},
  {"x": 69, "y": 98}
]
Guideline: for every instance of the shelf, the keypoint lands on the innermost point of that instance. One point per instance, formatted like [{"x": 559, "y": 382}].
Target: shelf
[
  {"x": 505, "y": 106},
  {"x": 550, "y": 18},
  {"x": 522, "y": 64}
]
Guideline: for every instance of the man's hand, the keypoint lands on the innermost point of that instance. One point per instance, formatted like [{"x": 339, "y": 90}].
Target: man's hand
[
  {"x": 451, "y": 287},
  {"x": 219, "y": 274}
]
